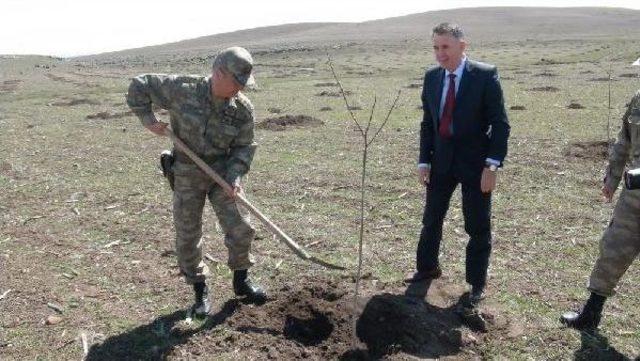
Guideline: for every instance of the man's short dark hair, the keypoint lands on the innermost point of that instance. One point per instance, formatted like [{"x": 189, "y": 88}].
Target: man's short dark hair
[{"x": 454, "y": 30}]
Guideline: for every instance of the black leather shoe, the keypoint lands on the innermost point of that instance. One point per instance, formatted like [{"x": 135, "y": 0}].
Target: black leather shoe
[
  {"x": 589, "y": 318},
  {"x": 431, "y": 274},
  {"x": 202, "y": 306},
  {"x": 477, "y": 295},
  {"x": 242, "y": 286}
]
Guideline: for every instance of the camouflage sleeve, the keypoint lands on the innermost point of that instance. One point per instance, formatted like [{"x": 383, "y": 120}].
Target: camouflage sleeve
[
  {"x": 241, "y": 154},
  {"x": 620, "y": 150},
  {"x": 148, "y": 89},
  {"x": 243, "y": 147}
]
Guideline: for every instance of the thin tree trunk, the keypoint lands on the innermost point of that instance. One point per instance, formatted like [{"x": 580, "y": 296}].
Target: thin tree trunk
[{"x": 361, "y": 241}]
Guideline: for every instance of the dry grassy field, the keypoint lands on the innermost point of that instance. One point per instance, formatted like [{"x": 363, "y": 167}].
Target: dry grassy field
[{"x": 86, "y": 225}]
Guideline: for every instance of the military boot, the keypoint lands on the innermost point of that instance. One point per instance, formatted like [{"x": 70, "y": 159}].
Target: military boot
[
  {"x": 589, "y": 318},
  {"x": 202, "y": 306},
  {"x": 242, "y": 286}
]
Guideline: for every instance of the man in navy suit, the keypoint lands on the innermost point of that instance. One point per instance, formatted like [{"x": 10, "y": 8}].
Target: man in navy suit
[{"x": 463, "y": 140}]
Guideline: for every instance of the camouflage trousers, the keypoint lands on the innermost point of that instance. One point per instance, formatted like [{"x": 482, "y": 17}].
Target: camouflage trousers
[
  {"x": 192, "y": 186},
  {"x": 619, "y": 246}
]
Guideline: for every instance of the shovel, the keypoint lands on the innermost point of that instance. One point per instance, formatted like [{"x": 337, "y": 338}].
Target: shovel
[{"x": 299, "y": 251}]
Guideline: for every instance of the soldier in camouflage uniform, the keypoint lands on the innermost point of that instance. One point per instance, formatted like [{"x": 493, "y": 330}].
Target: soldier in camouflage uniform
[
  {"x": 620, "y": 243},
  {"x": 215, "y": 121}
]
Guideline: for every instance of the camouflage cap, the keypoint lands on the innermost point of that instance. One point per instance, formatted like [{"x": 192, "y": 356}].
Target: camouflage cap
[{"x": 238, "y": 62}]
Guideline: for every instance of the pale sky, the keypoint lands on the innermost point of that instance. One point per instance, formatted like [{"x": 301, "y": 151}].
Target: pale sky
[{"x": 68, "y": 27}]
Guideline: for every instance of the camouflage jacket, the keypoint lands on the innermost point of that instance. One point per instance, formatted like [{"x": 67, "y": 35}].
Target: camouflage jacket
[
  {"x": 627, "y": 146},
  {"x": 218, "y": 131}
]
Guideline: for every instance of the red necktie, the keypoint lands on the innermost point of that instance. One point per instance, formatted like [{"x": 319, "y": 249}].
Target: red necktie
[{"x": 447, "y": 113}]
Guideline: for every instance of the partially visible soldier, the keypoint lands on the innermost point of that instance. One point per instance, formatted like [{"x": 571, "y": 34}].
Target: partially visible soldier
[
  {"x": 620, "y": 243},
  {"x": 216, "y": 121}
]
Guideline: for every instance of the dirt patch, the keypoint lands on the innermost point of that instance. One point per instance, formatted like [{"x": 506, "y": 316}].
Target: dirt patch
[
  {"x": 575, "y": 105},
  {"x": 546, "y": 61},
  {"x": 601, "y": 79},
  {"x": 545, "y": 74},
  {"x": 517, "y": 107},
  {"x": 414, "y": 86},
  {"x": 304, "y": 319},
  {"x": 629, "y": 75},
  {"x": 5, "y": 168},
  {"x": 326, "y": 109},
  {"x": 288, "y": 121},
  {"x": 63, "y": 79},
  {"x": 9, "y": 86},
  {"x": 594, "y": 150},
  {"x": 361, "y": 72},
  {"x": 74, "y": 102},
  {"x": 274, "y": 110},
  {"x": 325, "y": 84},
  {"x": 355, "y": 107},
  {"x": 544, "y": 89},
  {"x": 108, "y": 115},
  {"x": 328, "y": 93}
]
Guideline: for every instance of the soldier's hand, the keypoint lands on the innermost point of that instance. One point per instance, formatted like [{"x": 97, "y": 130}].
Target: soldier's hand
[
  {"x": 423, "y": 176},
  {"x": 237, "y": 189},
  {"x": 158, "y": 128},
  {"x": 607, "y": 193}
]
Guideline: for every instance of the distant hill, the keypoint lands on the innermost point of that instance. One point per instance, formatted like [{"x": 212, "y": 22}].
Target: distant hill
[{"x": 481, "y": 24}]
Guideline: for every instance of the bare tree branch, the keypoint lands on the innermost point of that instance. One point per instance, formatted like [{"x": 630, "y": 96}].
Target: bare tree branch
[
  {"x": 344, "y": 95},
  {"x": 373, "y": 108},
  {"x": 386, "y": 119}
]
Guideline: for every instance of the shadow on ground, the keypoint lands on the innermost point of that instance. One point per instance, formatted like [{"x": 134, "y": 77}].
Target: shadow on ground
[
  {"x": 596, "y": 347},
  {"x": 155, "y": 340},
  {"x": 397, "y": 323}
]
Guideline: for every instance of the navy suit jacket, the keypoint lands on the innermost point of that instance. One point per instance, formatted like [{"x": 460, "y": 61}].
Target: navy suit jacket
[{"x": 480, "y": 125}]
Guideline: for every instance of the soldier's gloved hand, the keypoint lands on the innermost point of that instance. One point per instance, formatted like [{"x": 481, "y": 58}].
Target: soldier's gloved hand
[{"x": 158, "y": 128}]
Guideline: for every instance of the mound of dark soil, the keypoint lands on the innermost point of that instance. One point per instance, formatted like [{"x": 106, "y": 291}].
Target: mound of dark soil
[
  {"x": 602, "y": 79},
  {"x": 545, "y": 74},
  {"x": 325, "y": 109},
  {"x": 8, "y": 86},
  {"x": 517, "y": 107},
  {"x": 307, "y": 318},
  {"x": 288, "y": 121},
  {"x": 544, "y": 89},
  {"x": 629, "y": 75},
  {"x": 414, "y": 86},
  {"x": 108, "y": 115},
  {"x": 574, "y": 105},
  {"x": 594, "y": 150},
  {"x": 328, "y": 93},
  {"x": 73, "y": 102}
]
